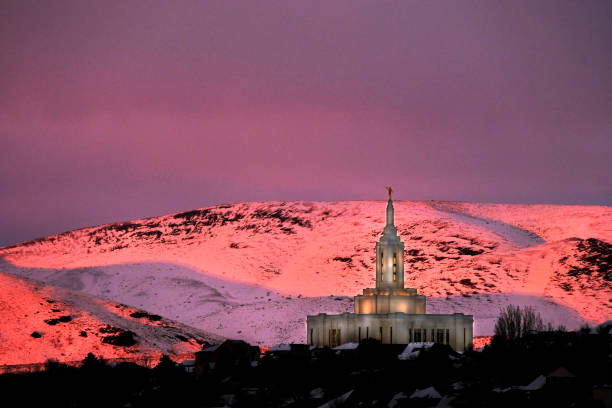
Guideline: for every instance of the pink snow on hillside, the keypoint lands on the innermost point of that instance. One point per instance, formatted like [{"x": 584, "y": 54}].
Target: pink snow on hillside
[
  {"x": 551, "y": 222},
  {"x": 255, "y": 270},
  {"x": 39, "y": 322}
]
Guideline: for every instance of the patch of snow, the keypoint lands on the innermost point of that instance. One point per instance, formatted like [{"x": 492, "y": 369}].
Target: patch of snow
[
  {"x": 317, "y": 393},
  {"x": 396, "y": 399},
  {"x": 457, "y": 385},
  {"x": 535, "y": 385},
  {"x": 337, "y": 402},
  {"x": 520, "y": 237},
  {"x": 413, "y": 350},
  {"x": 347, "y": 346},
  {"x": 446, "y": 402},
  {"x": 280, "y": 347},
  {"x": 429, "y": 392}
]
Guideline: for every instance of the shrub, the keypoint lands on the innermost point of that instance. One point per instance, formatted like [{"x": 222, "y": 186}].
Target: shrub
[
  {"x": 122, "y": 338},
  {"x": 91, "y": 362},
  {"x": 514, "y": 322}
]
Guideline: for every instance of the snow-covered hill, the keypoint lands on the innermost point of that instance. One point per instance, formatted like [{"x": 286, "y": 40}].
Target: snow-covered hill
[
  {"x": 255, "y": 270},
  {"x": 39, "y": 322}
]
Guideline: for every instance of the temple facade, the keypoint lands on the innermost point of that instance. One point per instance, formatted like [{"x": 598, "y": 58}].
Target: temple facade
[{"x": 389, "y": 312}]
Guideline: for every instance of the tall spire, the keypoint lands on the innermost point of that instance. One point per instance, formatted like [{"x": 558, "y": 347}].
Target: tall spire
[
  {"x": 390, "y": 229},
  {"x": 390, "y": 220},
  {"x": 390, "y": 215},
  {"x": 390, "y": 253}
]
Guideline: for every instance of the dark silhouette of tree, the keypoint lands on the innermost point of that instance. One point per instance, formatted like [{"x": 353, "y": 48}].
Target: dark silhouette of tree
[
  {"x": 165, "y": 363},
  {"x": 166, "y": 368},
  {"x": 52, "y": 366},
  {"x": 91, "y": 362},
  {"x": 514, "y": 322}
]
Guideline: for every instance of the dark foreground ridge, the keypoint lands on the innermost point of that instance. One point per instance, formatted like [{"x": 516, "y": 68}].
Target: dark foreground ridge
[{"x": 554, "y": 368}]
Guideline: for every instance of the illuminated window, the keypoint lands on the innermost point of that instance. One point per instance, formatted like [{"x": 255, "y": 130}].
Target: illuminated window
[
  {"x": 334, "y": 337},
  {"x": 394, "y": 267}
]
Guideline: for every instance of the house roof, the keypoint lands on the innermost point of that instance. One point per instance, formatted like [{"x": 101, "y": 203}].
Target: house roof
[
  {"x": 211, "y": 347},
  {"x": 561, "y": 372}
]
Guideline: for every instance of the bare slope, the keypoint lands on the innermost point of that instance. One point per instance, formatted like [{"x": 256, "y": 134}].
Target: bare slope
[{"x": 254, "y": 270}]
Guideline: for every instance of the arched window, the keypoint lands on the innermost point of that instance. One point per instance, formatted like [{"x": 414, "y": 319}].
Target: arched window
[
  {"x": 382, "y": 264},
  {"x": 394, "y": 266}
]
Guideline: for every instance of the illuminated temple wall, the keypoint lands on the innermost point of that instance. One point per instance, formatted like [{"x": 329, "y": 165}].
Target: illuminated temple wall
[
  {"x": 391, "y": 328},
  {"x": 376, "y": 303}
]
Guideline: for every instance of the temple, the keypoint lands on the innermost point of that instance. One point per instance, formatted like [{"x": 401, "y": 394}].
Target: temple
[{"x": 389, "y": 312}]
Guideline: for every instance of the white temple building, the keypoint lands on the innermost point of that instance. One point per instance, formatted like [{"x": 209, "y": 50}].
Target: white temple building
[{"x": 389, "y": 312}]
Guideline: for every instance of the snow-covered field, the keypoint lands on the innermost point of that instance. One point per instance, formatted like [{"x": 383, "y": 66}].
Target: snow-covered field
[{"x": 255, "y": 270}]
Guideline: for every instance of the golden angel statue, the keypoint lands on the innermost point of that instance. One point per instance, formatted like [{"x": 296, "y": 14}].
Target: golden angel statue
[{"x": 390, "y": 190}]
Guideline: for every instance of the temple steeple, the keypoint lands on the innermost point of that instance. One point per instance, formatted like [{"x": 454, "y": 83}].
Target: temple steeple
[
  {"x": 390, "y": 229},
  {"x": 390, "y": 215},
  {"x": 390, "y": 253}
]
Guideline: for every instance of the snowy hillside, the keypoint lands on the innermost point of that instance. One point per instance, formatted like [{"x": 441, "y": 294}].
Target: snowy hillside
[
  {"x": 255, "y": 270},
  {"x": 40, "y": 322}
]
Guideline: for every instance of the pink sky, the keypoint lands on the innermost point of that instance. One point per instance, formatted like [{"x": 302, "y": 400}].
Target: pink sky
[{"x": 116, "y": 110}]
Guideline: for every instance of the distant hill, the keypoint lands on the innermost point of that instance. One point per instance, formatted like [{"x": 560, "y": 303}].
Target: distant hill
[{"x": 255, "y": 270}]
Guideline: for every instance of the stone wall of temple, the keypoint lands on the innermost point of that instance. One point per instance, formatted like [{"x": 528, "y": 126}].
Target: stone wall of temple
[
  {"x": 382, "y": 303},
  {"x": 391, "y": 328}
]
